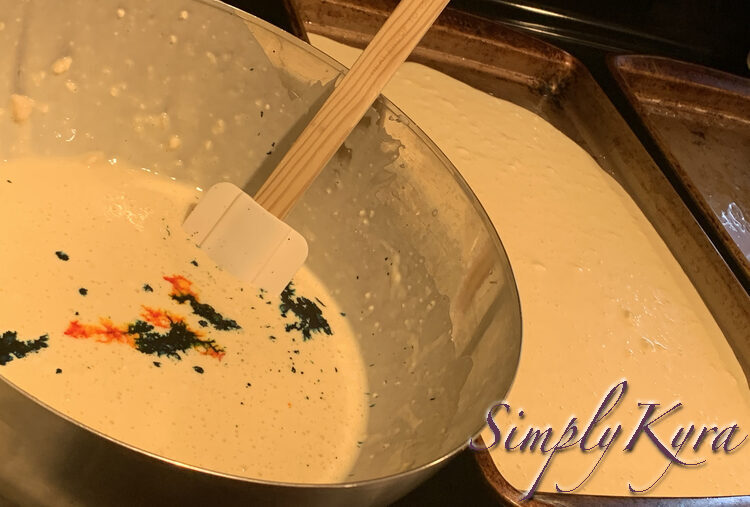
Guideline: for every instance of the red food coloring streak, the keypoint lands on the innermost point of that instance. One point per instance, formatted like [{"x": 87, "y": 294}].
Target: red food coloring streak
[{"x": 105, "y": 332}]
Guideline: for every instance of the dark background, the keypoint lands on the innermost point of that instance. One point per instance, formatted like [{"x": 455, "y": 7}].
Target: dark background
[{"x": 714, "y": 33}]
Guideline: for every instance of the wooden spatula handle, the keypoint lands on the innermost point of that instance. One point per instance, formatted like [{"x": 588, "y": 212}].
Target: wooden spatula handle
[{"x": 348, "y": 103}]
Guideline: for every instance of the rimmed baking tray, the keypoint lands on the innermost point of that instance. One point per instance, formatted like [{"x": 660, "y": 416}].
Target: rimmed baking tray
[
  {"x": 556, "y": 86},
  {"x": 699, "y": 119}
]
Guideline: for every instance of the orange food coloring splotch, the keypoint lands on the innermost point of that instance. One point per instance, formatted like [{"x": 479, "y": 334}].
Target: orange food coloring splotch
[
  {"x": 110, "y": 332},
  {"x": 160, "y": 318},
  {"x": 78, "y": 330},
  {"x": 181, "y": 286}
]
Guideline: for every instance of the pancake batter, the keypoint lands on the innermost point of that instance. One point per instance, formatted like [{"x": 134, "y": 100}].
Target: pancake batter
[
  {"x": 113, "y": 317},
  {"x": 602, "y": 297}
]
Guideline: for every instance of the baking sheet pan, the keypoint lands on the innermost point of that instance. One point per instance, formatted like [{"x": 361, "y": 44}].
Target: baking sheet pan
[
  {"x": 554, "y": 85},
  {"x": 699, "y": 119}
]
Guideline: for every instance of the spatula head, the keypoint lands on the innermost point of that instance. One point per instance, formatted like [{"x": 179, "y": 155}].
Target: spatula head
[{"x": 245, "y": 239}]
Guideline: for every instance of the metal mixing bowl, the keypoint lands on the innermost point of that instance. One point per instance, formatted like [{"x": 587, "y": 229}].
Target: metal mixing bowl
[{"x": 393, "y": 230}]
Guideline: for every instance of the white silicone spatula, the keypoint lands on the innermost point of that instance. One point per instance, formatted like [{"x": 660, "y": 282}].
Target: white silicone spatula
[{"x": 248, "y": 237}]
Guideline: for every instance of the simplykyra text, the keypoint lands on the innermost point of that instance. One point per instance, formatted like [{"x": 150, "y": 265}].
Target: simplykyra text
[{"x": 720, "y": 439}]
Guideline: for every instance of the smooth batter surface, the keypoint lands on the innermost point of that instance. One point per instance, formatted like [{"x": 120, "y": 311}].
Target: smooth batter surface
[
  {"x": 602, "y": 298},
  {"x": 112, "y": 316}
]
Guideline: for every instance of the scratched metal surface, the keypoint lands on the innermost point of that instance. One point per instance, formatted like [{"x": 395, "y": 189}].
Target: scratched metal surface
[{"x": 700, "y": 120}]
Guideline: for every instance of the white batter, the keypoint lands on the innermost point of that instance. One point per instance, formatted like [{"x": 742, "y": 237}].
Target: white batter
[
  {"x": 89, "y": 248},
  {"x": 602, "y": 297}
]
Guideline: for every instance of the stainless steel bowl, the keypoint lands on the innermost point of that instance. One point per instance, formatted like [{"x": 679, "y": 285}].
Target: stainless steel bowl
[{"x": 392, "y": 227}]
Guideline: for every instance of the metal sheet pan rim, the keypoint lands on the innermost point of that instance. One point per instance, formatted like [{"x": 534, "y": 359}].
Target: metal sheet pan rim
[{"x": 732, "y": 107}]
